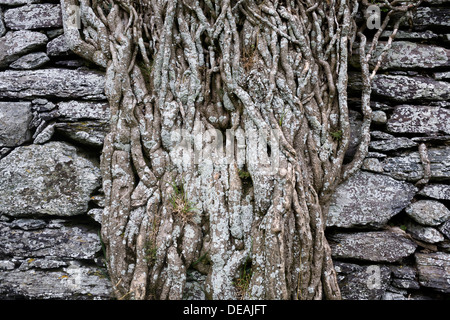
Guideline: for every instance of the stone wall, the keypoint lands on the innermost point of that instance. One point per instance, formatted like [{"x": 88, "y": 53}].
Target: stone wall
[
  {"x": 53, "y": 117},
  {"x": 389, "y": 231}
]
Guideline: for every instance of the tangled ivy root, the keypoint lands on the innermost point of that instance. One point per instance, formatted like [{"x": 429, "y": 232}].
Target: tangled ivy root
[{"x": 246, "y": 66}]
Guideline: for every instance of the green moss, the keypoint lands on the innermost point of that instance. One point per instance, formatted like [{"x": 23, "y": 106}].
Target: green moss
[
  {"x": 184, "y": 208},
  {"x": 336, "y": 135},
  {"x": 244, "y": 174},
  {"x": 242, "y": 283},
  {"x": 150, "y": 251}
]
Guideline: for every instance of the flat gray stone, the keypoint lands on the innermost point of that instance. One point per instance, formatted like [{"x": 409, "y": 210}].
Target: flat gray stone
[
  {"x": 436, "y": 191},
  {"x": 42, "y": 263},
  {"x": 74, "y": 282},
  {"x": 404, "y": 277},
  {"x": 15, "y": 118},
  {"x": 392, "y": 144},
  {"x": 362, "y": 282},
  {"x": 2, "y": 24},
  {"x": 355, "y": 119},
  {"x": 380, "y": 135},
  {"x": 6, "y": 265},
  {"x": 426, "y": 234},
  {"x": 18, "y": 2},
  {"x": 28, "y": 224},
  {"x": 368, "y": 200},
  {"x": 58, "y": 47},
  {"x": 444, "y": 75},
  {"x": 49, "y": 179},
  {"x": 408, "y": 166},
  {"x": 426, "y": 17},
  {"x": 419, "y": 119},
  {"x": 445, "y": 228},
  {"x": 411, "y": 35},
  {"x": 34, "y": 16},
  {"x": 17, "y": 43},
  {"x": 436, "y": 1},
  {"x": 411, "y": 55},
  {"x": 77, "y": 110},
  {"x": 61, "y": 83},
  {"x": 96, "y": 214},
  {"x": 402, "y": 89},
  {"x": 376, "y": 155},
  {"x": 379, "y": 117},
  {"x": 64, "y": 242},
  {"x": 30, "y": 61},
  {"x": 376, "y": 246},
  {"x": 373, "y": 165},
  {"x": 87, "y": 132},
  {"x": 434, "y": 270},
  {"x": 428, "y": 212}
]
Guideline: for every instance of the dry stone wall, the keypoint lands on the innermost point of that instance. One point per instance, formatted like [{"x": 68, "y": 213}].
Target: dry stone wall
[
  {"x": 53, "y": 118},
  {"x": 389, "y": 225}
]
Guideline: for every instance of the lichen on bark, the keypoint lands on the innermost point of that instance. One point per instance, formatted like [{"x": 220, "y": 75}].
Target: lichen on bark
[{"x": 268, "y": 79}]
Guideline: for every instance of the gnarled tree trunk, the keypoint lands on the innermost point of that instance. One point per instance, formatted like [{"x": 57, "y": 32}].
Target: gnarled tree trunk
[{"x": 228, "y": 133}]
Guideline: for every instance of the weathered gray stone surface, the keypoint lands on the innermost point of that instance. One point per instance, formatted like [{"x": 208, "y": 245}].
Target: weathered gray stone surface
[
  {"x": 372, "y": 164},
  {"x": 392, "y": 144},
  {"x": 411, "y": 55},
  {"x": 426, "y": 234},
  {"x": 62, "y": 83},
  {"x": 434, "y": 270},
  {"x": 411, "y": 35},
  {"x": 408, "y": 166},
  {"x": 87, "y": 132},
  {"x": 368, "y": 200},
  {"x": 355, "y": 119},
  {"x": 377, "y": 246},
  {"x": 63, "y": 242},
  {"x": 96, "y": 214},
  {"x": 77, "y": 110},
  {"x": 436, "y": 191},
  {"x": 428, "y": 212},
  {"x": 14, "y": 121},
  {"x": 436, "y": 1},
  {"x": 445, "y": 75},
  {"x": 379, "y": 117},
  {"x": 362, "y": 282},
  {"x": 445, "y": 228},
  {"x": 18, "y": 2},
  {"x": 34, "y": 16},
  {"x": 2, "y": 24},
  {"x": 426, "y": 17},
  {"x": 17, "y": 43},
  {"x": 28, "y": 224},
  {"x": 58, "y": 47},
  {"x": 50, "y": 179},
  {"x": 72, "y": 282},
  {"x": 403, "y": 88},
  {"x": 400, "y": 88},
  {"x": 404, "y": 277},
  {"x": 380, "y": 135},
  {"x": 419, "y": 119},
  {"x": 30, "y": 61}
]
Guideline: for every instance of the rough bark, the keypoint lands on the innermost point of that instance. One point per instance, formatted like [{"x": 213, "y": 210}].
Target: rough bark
[{"x": 229, "y": 125}]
